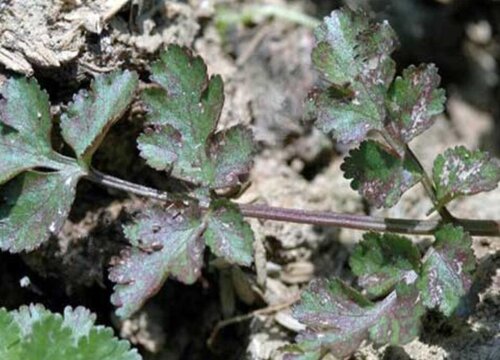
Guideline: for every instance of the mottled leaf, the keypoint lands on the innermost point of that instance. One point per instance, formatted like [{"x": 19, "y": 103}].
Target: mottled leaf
[
  {"x": 33, "y": 332},
  {"x": 401, "y": 321},
  {"x": 353, "y": 55},
  {"x": 447, "y": 269},
  {"x": 413, "y": 100},
  {"x": 231, "y": 155},
  {"x": 381, "y": 261},
  {"x": 183, "y": 117},
  {"x": 171, "y": 242},
  {"x": 228, "y": 235},
  {"x": 339, "y": 318},
  {"x": 35, "y": 205},
  {"x": 25, "y": 128},
  {"x": 165, "y": 243},
  {"x": 462, "y": 172},
  {"x": 91, "y": 114},
  {"x": 379, "y": 175}
]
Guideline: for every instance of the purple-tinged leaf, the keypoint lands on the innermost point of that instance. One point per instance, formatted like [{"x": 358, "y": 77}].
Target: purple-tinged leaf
[
  {"x": 25, "y": 127},
  {"x": 447, "y": 270},
  {"x": 231, "y": 154},
  {"x": 183, "y": 116},
  {"x": 460, "y": 172},
  {"x": 353, "y": 55},
  {"x": 339, "y": 319},
  {"x": 380, "y": 176},
  {"x": 413, "y": 100},
  {"x": 165, "y": 243},
  {"x": 228, "y": 235},
  {"x": 381, "y": 261},
  {"x": 34, "y": 206},
  {"x": 91, "y": 114}
]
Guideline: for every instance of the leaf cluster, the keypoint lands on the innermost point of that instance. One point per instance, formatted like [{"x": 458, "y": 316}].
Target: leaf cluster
[
  {"x": 362, "y": 96},
  {"x": 397, "y": 286},
  {"x": 34, "y": 332},
  {"x": 181, "y": 138}
]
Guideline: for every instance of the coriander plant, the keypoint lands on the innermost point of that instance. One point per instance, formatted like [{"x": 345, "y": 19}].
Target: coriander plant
[{"x": 361, "y": 95}]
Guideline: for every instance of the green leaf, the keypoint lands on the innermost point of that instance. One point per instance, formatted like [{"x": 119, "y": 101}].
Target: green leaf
[
  {"x": 413, "y": 100},
  {"x": 183, "y": 118},
  {"x": 165, "y": 242},
  {"x": 339, "y": 318},
  {"x": 35, "y": 205},
  {"x": 447, "y": 269},
  {"x": 171, "y": 242},
  {"x": 228, "y": 235},
  {"x": 353, "y": 55},
  {"x": 25, "y": 127},
  {"x": 460, "y": 172},
  {"x": 34, "y": 332},
  {"x": 379, "y": 175},
  {"x": 91, "y": 114},
  {"x": 381, "y": 261},
  {"x": 10, "y": 334}
]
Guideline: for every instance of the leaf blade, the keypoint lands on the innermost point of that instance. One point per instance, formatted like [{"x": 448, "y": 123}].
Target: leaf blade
[
  {"x": 381, "y": 261},
  {"x": 25, "y": 127},
  {"x": 353, "y": 54},
  {"x": 35, "y": 205},
  {"x": 228, "y": 235},
  {"x": 379, "y": 175},
  {"x": 52, "y": 336},
  {"x": 413, "y": 100},
  {"x": 91, "y": 114},
  {"x": 447, "y": 270},
  {"x": 459, "y": 172},
  {"x": 165, "y": 243}
]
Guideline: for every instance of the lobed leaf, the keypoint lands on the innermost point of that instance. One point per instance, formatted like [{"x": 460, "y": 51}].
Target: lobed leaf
[
  {"x": 228, "y": 235},
  {"x": 339, "y": 318},
  {"x": 413, "y": 100},
  {"x": 447, "y": 270},
  {"x": 165, "y": 242},
  {"x": 183, "y": 118},
  {"x": 89, "y": 117},
  {"x": 35, "y": 332},
  {"x": 381, "y": 261},
  {"x": 171, "y": 242},
  {"x": 353, "y": 55},
  {"x": 35, "y": 205},
  {"x": 379, "y": 175},
  {"x": 25, "y": 127},
  {"x": 462, "y": 172}
]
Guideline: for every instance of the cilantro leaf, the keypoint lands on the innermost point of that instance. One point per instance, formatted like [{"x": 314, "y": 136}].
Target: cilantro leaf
[
  {"x": 462, "y": 172},
  {"x": 228, "y": 235},
  {"x": 383, "y": 260},
  {"x": 447, "y": 268},
  {"x": 171, "y": 242},
  {"x": 339, "y": 318},
  {"x": 413, "y": 100},
  {"x": 34, "y": 330},
  {"x": 184, "y": 112},
  {"x": 89, "y": 117},
  {"x": 34, "y": 206},
  {"x": 353, "y": 55},
  {"x": 379, "y": 175},
  {"x": 25, "y": 127}
]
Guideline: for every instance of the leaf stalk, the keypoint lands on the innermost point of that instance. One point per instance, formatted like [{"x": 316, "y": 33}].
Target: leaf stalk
[{"x": 320, "y": 218}]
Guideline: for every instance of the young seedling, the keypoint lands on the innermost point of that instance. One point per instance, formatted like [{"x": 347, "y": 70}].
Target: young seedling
[{"x": 362, "y": 95}]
